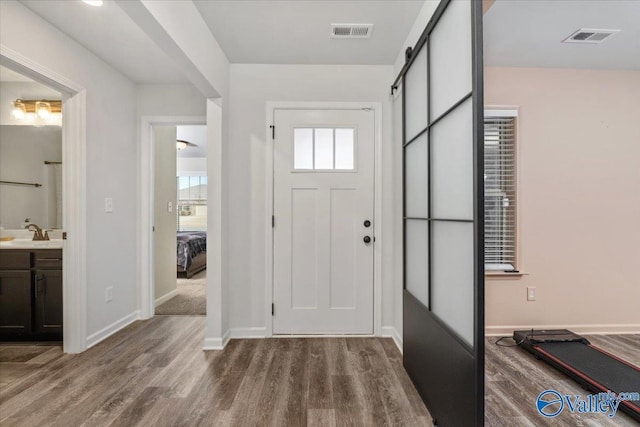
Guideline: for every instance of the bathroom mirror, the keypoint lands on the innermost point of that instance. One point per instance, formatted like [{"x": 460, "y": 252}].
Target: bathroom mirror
[{"x": 30, "y": 154}]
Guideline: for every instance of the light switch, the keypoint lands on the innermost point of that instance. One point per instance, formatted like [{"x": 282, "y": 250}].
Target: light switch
[
  {"x": 108, "y": 204},
  {"x": 531, "y": 293},
  {"x": 170, "y": 207}
]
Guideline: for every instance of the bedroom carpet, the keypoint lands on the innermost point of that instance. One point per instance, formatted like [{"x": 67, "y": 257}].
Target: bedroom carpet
[{"x": 191, "y": 299}]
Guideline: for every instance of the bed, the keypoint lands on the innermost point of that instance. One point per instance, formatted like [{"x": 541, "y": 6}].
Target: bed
[{"x": 191, "y": 252}]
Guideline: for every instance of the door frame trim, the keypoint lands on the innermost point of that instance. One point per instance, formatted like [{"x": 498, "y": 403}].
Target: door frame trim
[
  {"x": 215, "y": 338},
  {"x": 74, "y": 202},
  {"x": 376, "y": 107}
]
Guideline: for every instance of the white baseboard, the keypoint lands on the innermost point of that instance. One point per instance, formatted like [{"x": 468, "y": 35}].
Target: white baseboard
[
  {"x": 259, "y": 332},
  {"x": 218, "y": 343},
  {"x": 390, "y": 331},
  {"x": 612, "y": 329},
  {"x": 166, "y": 297},
  {"x": 104, "y": 333}
]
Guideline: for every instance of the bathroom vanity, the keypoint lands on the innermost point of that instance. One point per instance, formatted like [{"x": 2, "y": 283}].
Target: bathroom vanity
[{"x": 30, "y": 292}]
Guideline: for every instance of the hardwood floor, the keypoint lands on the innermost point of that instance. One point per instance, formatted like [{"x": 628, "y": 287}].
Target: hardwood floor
[
  {"x": 514, "y": 378},
  {"x": 154, "y": 373}
]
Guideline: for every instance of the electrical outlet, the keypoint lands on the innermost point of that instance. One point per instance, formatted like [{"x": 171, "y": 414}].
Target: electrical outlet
[
  {"x": 108, "y": 294},
  {"x": 108, "y": 204},
  {"x": 531, "y": 293},
  {"x": 170, "y": 207}
]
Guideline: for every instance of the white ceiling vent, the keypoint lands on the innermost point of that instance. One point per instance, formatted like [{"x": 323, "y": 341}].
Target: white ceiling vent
[
  {"x": 351, "y": 31},
  {"x": 590, "y": 35}
]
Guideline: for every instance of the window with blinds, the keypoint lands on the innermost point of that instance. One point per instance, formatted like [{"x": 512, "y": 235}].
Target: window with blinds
[{"x": 500, "y": 193}]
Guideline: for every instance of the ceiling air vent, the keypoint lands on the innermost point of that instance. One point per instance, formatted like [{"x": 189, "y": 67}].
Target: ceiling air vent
[
  {"x": 351, "y": 31},
  {"x": 590, "y": 35}
]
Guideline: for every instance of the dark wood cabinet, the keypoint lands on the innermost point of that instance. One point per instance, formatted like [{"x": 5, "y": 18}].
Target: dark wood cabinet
[
  {"x": 47, "y": 302},
  {"x": 15, "y": 259},
  {"x": 31, "y": 295},
  {"x": 15, "y": 303}
]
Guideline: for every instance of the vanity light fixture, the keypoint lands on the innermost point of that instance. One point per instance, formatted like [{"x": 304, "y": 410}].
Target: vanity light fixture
[
  {"x": 44, "y": 109},
  {"x": 93, "y": 2},
  {"x": 18, "y": 110}
]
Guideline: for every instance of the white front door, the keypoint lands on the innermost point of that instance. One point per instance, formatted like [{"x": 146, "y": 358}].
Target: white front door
[{"x": 324, "y": 225}]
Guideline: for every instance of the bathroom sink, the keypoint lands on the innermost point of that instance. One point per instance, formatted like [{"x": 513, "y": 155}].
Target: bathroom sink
[
  {"x": 32, "y": 244},
  {"x": 43, "y": 244}
]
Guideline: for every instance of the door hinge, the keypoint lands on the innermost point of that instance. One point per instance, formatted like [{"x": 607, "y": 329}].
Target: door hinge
[
  {"x": 273, "y": 131},
  {"x": 273, "y": 221},
  {"x": 273, "y": 309},
  {"x": 153, "y": 229},
  {"x": 64, "y": 235}
]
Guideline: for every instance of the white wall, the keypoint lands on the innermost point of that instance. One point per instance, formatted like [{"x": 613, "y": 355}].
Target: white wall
[
  {"x": 579, "y": 200},
  {"x": 23, "y": 150},
  {"x": 165, "y": 191},
  {"x": 110, "y": 162},
  {"x": 170, "y": 100},
  {"x": 252, "y": 86},
  {"x": 192, "y": 166}
]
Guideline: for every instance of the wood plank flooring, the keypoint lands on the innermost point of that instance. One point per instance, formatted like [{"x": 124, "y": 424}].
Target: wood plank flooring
[
  {"x": 514, "y": 378},
  {"x": 154, "y": 373}
]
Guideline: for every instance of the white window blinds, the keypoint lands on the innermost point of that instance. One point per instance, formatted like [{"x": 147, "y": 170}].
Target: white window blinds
[{"x": 500, "y": 193}]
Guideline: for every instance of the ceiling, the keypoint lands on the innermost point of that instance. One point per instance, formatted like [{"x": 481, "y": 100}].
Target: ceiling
[
  {"x": 530, "y": 34},
  {"x": 262, "y": 31},
  {"x": 195, "y": 134},
  {"x": 517, "y": 33},
  {"x": 109, "y": 33},
  {"x": 298, "y": 31}
]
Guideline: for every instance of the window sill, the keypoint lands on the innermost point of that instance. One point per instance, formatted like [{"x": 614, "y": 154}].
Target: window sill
[{"x": 504, "y": 275}]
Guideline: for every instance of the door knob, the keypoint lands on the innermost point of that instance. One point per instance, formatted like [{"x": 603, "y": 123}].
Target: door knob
[
  {"x": 367, "y": 239},
  {"x": 367, "y": 223}
]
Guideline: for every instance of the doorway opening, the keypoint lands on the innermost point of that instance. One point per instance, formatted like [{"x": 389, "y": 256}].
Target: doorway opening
[
  {"x": 70, "y": 278},
  {"x": 31, "y": 209},
  {"x": 180, "y": 219}
]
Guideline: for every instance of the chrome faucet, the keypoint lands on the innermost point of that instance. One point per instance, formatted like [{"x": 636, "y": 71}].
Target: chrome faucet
[{"x": 37, "y": 235}]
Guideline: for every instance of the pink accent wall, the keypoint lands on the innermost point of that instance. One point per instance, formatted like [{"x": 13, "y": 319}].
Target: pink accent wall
[{"x": 579, "y": 182}]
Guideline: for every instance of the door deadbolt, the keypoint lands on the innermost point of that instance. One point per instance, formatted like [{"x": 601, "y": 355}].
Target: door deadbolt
[
  {"x": 367, "y": 239},
  {"x": 367, "y": 223}
]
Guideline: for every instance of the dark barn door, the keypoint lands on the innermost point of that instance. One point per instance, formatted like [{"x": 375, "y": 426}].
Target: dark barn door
[{"x": 443, "y": 215}]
